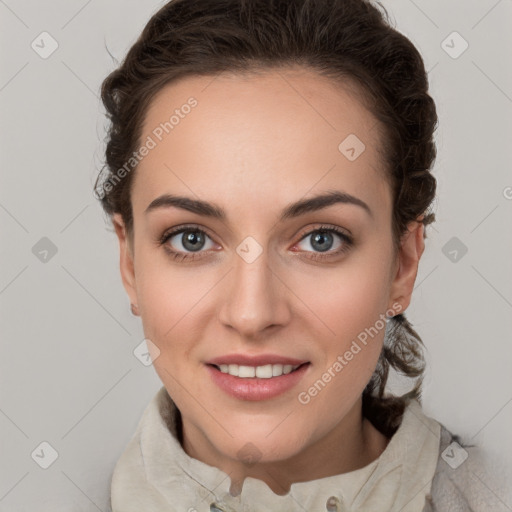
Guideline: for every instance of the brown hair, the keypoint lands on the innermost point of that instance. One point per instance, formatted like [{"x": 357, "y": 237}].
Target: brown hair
[{"x": 349, "y": 41}]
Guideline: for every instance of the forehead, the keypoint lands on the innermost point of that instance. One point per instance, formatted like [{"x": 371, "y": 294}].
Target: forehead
[{"x": 274, "y": 135}]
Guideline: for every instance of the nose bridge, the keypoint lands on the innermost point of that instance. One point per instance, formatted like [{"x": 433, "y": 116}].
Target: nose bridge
[{"x": 253, "y": 299}]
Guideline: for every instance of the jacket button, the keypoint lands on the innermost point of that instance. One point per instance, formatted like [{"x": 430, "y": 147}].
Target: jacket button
[
  {"x": 333, "y": 504},
  {"x": 215, "y": 508}
]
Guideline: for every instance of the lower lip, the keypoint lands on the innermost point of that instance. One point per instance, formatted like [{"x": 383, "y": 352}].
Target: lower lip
[{"x": 256, "y": 388}]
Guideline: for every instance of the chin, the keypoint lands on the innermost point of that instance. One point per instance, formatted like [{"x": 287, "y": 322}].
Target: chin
[{"x": 262, "y": 443}]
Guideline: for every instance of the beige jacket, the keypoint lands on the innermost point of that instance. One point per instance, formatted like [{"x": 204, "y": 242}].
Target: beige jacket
[{"x": 423, "y": 469}]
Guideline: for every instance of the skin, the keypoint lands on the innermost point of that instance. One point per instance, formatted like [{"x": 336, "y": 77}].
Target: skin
[{"x": 253, "y": 145}]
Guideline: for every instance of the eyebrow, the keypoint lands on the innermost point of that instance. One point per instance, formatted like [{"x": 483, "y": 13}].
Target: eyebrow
[{"x": 293, "y": 210}]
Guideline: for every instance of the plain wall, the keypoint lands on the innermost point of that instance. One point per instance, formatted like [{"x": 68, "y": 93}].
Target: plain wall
[{"x": 68, "y": 375}]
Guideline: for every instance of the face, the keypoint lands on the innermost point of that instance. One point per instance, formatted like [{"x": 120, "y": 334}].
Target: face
[{"x": 306, "y": 285}]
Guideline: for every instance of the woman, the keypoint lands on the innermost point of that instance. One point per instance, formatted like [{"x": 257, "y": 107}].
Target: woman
[{"x": 268, "y": 177}]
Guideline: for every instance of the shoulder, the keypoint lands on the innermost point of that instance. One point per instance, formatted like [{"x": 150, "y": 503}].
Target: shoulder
[{"x": 464, "y": 480}]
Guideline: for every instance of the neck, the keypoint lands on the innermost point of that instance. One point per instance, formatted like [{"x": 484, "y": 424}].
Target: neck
[{"x": 352, "y": 444}]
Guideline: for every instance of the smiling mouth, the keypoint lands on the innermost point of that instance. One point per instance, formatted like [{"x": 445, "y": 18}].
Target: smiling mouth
[{"x": 267, "y": 371}]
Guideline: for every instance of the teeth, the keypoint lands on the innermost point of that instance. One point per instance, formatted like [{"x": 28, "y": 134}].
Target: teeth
[
  {"x": 277, "y": 369},
  {"x": 262, "y": 372},
  {"x": 246, "y": 371}
]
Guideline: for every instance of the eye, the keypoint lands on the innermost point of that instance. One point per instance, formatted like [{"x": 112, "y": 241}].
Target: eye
[
  {"x": 184, "y": 239},
  {"x": 321, "y": 239}
]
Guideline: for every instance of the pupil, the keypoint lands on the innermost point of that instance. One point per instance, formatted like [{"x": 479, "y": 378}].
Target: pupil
[
  {"x": 192, "y": 240},
  {"x": 322, "y": 237}
]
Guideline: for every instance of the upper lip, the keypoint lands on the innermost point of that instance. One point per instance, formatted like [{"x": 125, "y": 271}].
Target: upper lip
[{"x": 257, "y": 360}]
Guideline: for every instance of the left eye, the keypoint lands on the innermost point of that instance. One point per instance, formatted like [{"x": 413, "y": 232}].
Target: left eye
[{"x": 322, "y": 239}]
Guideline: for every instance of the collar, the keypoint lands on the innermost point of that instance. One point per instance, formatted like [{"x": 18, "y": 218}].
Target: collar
[{"x": 154, "y": 473}]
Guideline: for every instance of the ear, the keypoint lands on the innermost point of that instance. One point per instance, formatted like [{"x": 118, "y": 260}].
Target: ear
[
  {"x": 125, "y": 258},
  {"x": 408, "y": 258}
]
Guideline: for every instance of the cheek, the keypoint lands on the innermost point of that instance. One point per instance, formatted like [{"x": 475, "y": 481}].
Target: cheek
[
  {"x": 347, "y": 299},
  {"x": 162, "y": 297},
  {"x": 350, "y": 304},
  {"x": 171, "y": 301},
  {"x": 355, "y": 315}
]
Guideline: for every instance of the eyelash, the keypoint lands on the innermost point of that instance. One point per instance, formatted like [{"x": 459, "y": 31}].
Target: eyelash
[{"x": 179, "y": 256}]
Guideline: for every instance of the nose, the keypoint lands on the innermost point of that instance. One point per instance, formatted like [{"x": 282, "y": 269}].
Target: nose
[{"x": 254, "y": 297}]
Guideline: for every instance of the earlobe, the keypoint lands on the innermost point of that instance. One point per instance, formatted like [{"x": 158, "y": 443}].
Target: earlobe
[
  {"x": 125, "y": 258},
  {"x": 409, "y": 254}
]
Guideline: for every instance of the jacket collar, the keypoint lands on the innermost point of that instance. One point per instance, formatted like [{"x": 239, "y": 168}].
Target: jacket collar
[{"x": 156, "y": 469}]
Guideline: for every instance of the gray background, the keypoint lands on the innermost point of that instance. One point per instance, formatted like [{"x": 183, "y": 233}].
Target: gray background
[{"x": 68, "y": 374}]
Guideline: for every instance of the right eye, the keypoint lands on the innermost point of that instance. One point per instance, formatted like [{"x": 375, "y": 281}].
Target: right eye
[{"x": 179, "y": 241}]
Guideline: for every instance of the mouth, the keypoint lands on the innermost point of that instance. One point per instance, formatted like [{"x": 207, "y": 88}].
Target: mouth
[
  {"x": 256, "y": 382},
  {"x": 267, "y": 371}
]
